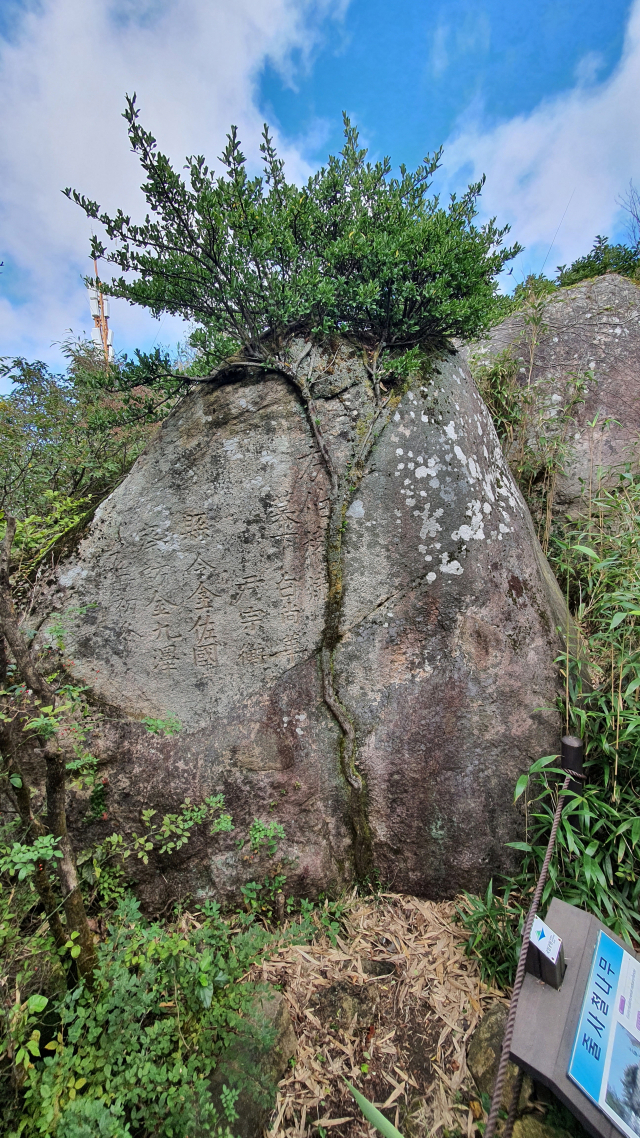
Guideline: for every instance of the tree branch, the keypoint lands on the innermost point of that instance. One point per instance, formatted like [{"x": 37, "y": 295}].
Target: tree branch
[
  {"x": 9, "y": 624},
  {"x": 33, "y": 827},
  {"x": 55, "y": 779}
]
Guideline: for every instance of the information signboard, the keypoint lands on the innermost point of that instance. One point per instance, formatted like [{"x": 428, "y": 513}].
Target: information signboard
[{"x": 605, "y": 1061}]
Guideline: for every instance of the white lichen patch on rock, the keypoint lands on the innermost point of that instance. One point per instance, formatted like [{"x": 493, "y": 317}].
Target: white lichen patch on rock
[
  {"x": 474, "y": 531},
  {"x": 356, "y": 509},
  {"x": 467, "y": 462}
]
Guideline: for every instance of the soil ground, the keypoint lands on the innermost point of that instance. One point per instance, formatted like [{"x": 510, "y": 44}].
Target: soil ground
[{"x": 389, "y": 1007}]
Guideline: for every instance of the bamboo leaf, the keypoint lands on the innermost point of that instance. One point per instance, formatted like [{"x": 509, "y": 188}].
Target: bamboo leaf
[
  {"x": 617, "y": 619},
  {"x": 595, "y": 870},
  {"x": 541, "y": 764},
  {"x": 589, "y": 552},
  {"x": 373, "y": 1115},
  {"x": 521, "y": 786}
]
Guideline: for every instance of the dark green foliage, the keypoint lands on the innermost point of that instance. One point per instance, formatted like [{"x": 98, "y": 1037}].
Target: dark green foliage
[
  {"x": 355, "y": 250},
  {"x": 146, "y": 387},
  {"x": 535, "y": 287},
  {"x": 142, "y": 1044},
  {"x": 66, "y": 442},
  {"x": 494, "y": 923},
  {"x": 557, "y": 1116},
  {"x": 603, "y": 258},
  {"x": 60, "y": 443},
  {"x": 498, "y": 383},
  {"x": 596, "y": 865},
  {"x": 135, "y": 1055},
  {"x": 90, "y": 1118}
]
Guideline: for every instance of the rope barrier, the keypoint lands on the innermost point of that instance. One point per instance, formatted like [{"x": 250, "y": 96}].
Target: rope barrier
[
  {"x": 515, "y": 1102},
  {"x": 518, "y": 982}
]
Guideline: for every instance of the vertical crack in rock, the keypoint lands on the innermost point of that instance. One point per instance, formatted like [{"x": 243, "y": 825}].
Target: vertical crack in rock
[
  {"x": 343, "y": 486},
  {"x": 362, "y": 843}
]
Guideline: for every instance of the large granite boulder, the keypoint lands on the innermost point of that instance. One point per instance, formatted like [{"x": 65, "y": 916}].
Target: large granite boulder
[
  {"x": 591, "y": 327},
  {"x": 201, "y": 591}
]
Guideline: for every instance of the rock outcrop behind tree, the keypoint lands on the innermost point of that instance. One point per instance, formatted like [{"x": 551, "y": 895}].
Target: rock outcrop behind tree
[
  {"x": 203, "y": 591},
  {"x": 592, "y": 327}
]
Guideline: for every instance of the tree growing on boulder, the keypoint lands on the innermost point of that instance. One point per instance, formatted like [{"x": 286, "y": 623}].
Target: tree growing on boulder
[
  {"x": 250, "y": 260},
  {"x": 271, "y": 273}
]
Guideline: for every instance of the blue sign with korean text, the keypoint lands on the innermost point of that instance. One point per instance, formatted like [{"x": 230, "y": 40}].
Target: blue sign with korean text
[
  {"x": 605, "y": 1062},
  {"x": 597, "y": 1018}
]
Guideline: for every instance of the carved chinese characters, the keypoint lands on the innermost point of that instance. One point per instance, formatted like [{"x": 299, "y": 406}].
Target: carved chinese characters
[{"x": 222, "y": 576}]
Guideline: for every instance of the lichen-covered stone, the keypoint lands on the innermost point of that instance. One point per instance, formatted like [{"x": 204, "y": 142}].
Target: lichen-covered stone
[
  {"x": 483, "y": 1057},
  {"x": 533, "y": 1126},
  {"x": 592, "y": 326},
  {"x": 201, "y": 591}
]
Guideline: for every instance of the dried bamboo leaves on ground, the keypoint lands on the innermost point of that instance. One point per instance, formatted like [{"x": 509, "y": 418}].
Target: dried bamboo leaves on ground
[{"x": 390, "y": 1007}]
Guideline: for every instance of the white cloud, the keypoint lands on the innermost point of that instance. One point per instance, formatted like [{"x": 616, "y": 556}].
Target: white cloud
[
  {"x": 194, "y": 65},
  {"x": 579, "y": 149},
  {"x": 450, "y": 42}
]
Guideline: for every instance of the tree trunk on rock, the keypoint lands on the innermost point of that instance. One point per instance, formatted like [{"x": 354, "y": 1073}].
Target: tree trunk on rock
[{"x": 12, "y": 739}]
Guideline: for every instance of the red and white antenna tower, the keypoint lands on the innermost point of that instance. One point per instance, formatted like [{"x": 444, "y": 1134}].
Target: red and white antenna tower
[{"x": 101, "y": 333}]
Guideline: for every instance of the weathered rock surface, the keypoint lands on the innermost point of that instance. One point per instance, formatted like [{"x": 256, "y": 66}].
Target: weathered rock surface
[
  {"x": 483, "y": 1057},
  {"x": 201, "y": 591},
  {"x": 532, "y": 1126},
  {"x": 594, "y": 325}
]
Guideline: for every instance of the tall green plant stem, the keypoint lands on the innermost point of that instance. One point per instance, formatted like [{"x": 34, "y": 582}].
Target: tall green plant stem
[
  {"x": 74, "y": 909},
  {"x": 33, "y": 828},
  {"x": 66, "y": 867}
]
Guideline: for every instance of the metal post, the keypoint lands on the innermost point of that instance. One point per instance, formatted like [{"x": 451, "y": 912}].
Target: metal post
[
  {"x": 571, "y": 759},
  {"x": 101, "y": 321}
]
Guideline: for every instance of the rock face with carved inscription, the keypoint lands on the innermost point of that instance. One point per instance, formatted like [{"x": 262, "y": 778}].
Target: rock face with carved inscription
[
  {"x": 201, "y": 591},
  {"x": 591, "y": 327}
]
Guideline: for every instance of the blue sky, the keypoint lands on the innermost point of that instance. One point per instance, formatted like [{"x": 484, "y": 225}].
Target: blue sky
[
  {"x": 408, "y": 71},
  {"x": 542, "y": 96}
]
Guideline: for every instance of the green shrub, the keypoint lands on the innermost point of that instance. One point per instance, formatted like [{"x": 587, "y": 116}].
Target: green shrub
[
  {"x": 248, "y": 260},
  {"x": 494, "y": 923},
  {"x": 134, "y": 1054},
  {"x": 603, "y": 258},
  {"x": 62, "y": 451},
  {"x": 141, "y": 1045}
]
